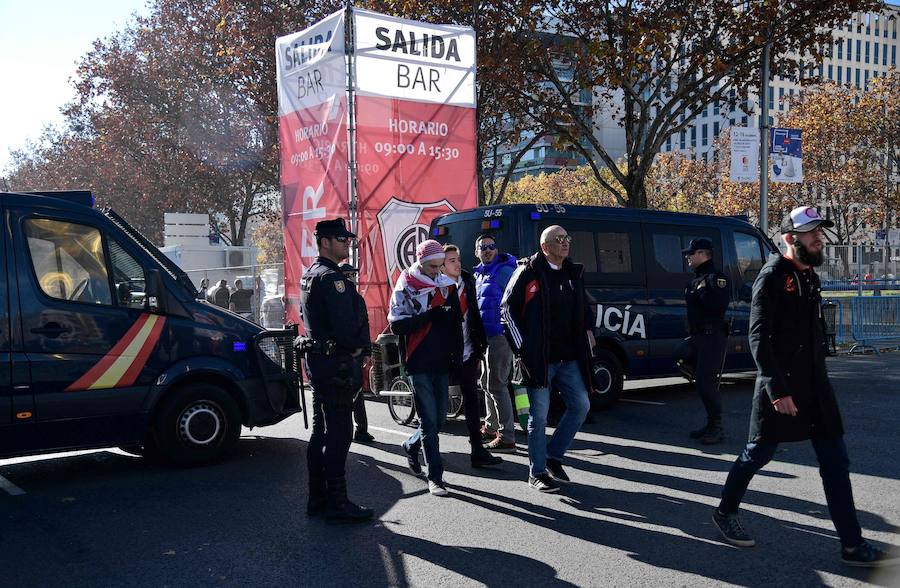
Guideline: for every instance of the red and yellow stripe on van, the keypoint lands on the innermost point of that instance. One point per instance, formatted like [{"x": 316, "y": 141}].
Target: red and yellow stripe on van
[{"x": 124, "y": 362}]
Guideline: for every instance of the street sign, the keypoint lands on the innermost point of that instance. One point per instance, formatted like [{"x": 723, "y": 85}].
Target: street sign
[{"x": 785, "y": 154}]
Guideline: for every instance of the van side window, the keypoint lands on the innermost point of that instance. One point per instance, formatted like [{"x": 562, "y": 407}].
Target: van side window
[
  {"x": 667, "y": 252},
  {"x": 749, "y": 256},
  {"x": 582, "y": 249},
  {"x": 614, "y": 253},
  {"x": 128, "y": 277},
  {"x": 68, "y": 260},
  {"x": 666, "y": 266}
]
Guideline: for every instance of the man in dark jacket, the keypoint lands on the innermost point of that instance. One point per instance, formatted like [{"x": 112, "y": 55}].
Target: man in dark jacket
[
  {"x": 545, "y": 313},
  {"x": 491, "y": 277},
  {"x": 425, "y": 312},
  {"x": 707, "y": 297},
  {"x": 474, "y": 346},
  {"x": 332, "y": 312},
  {"x": 220, "y": 294},
  {"x": 793, "y": 399}
]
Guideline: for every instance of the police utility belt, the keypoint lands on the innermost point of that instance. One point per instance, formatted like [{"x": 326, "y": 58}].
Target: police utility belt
[
  {"x": 710, "y": 329},
  {"x": 328, "y": 348}
]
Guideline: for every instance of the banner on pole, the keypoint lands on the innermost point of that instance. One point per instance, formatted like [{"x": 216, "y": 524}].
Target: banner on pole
[
  {"x": 312, "y": 109},
  {"x": 785, "y": 154},
  {"x": 744, "y": 154},
  {"x": 415, "y": 141}
]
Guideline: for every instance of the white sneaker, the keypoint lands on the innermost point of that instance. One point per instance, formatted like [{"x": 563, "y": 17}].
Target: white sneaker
[{"x": 437, "y": 489}]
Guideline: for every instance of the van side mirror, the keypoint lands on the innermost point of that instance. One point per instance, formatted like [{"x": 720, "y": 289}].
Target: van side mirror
[{"x": 156, "y": 294}]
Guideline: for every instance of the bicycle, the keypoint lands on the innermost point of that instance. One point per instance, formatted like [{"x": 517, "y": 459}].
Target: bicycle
[{"x": 387, "y": 366}]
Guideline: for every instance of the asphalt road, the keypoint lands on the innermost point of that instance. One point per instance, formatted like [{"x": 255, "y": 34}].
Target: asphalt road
[{"x": 637, "y": 514}]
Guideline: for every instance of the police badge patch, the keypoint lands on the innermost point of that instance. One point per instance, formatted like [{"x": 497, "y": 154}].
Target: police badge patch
[
  {"x": 339, "y": 286},
  {"x": 721, "y": 282}
]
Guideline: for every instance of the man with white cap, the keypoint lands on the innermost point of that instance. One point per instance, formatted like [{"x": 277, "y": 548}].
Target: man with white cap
[
  {"x": 425, "y": 312},
  {"x": 793, "y": 399}
]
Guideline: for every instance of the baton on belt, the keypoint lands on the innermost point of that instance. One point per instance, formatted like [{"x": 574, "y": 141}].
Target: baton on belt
[
  {"x": 724, "y": 355},
  {"x": 302, "y": 345}
]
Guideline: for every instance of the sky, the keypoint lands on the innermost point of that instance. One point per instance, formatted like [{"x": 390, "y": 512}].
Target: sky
[{"x": 40, "y": 43}]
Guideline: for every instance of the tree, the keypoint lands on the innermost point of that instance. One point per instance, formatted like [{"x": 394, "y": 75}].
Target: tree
[{"x": 654, "y": 66}]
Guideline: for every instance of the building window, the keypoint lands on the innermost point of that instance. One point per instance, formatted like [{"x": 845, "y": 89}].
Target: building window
[
  {"x": 894, "y": 55},
  {"x": 781, "y": 94},
  {"x": 744, "y": 120},
  {"x": 867, "y": 51},
  {"x": 858, "y": 50},
  {"x": 716, "y": 103},
  {"x": 682, "y": 140},
  {"x": 840, "y": 79},
  {"x": 716, "y": 129},
  {"x": 821, "y": 71},
  {"x": 771, "y": 98},
  {"x": 866, "y": 80},
  {"x": 669, "y": 143},
  {"x": 830, "y": 72},
  {"x": 884, "y": 53},
  {"x": 693, "y": 137},
  {"x": 875, "y": 55},
  {"x": 857, "y": 78},
  {"x": 704, "y": 135},
  {"x": 849, "y": 50},
  {"x": 840, "y": 48}
]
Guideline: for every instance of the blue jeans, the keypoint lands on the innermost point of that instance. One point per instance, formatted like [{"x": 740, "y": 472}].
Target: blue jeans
[
  {"x": 565, "y": 377},
  {"x": 834, "y": 467},
  {"x": 430, "y": 396}
]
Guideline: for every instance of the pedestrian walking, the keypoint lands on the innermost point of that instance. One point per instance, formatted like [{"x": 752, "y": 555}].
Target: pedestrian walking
[
  {"x": 474, "y": 346},
  {"x": 545, "y": 312},
  {"x": 220, "y": 294},
  {"x": 332, "y": 312},
  {"x": 707, "y": 297},
  {"x": 361, "y": 434},
  {"x": 793, "y": 399},
  {"x": 425, "y": 312},
  {"x": 491, "y": 278}
]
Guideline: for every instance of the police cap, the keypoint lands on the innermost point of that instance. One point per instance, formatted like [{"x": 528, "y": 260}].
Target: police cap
[
  {"x": 697, "y": 244},
  {"x": 333, "y": 228}
]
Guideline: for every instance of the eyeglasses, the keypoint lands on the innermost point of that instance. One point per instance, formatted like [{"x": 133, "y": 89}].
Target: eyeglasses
[
  {"x": 490, "y": 247},
  {"x": 563, "y": 239}
]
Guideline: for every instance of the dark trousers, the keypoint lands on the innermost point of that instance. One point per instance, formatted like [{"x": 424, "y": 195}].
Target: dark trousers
[
  {"x": 834, "y": 467},
  {"x": 468, "y": 384},
  {"x": 709, "y": 349},
  {"x": 331, "y": 435},
  {"x": 359, "y": 412}
]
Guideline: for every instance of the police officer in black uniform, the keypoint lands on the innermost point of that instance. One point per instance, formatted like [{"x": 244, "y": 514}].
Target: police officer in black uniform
[
  {"x": 337, "y": 340},
  {"x": 707, "y": 297}
]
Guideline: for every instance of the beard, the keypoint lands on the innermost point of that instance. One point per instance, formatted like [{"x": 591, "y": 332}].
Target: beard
[{"x": 807, "y": 257}]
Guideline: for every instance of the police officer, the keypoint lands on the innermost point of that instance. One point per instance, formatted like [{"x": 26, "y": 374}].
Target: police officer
[
  {"x": 707, "y": 297},
  {"x": 332, "y": 311}
]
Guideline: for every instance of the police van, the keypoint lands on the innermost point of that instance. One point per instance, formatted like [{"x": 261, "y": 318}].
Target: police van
[
  {"x": 104, "y": 343},
  {"x": 634, "y": 273}
]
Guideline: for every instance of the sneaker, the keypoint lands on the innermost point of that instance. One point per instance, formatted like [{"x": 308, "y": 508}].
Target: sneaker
[
  {"x": 363, "y": 437},
  {"x": 498, "y": 445},
  {"x": 543, "y": 483},
  {"x": 555, "y": 469},
  {"x": 412, "y": 458},
  {"x": 487, "y": 434},
  {"x": 732, "y": 529},
  {"x": 437, "y": 489},
  {"x": 867, "y": 556}
]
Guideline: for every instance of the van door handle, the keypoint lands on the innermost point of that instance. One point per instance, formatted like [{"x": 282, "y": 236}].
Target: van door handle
[{"x": 51, "y": 330}]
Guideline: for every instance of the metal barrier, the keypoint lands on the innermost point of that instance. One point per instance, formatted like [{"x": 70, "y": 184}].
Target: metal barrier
[{"x": 875, "y": 322}]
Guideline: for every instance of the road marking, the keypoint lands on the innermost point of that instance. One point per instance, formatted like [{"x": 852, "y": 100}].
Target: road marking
[
  {"x": 642, "y": 401},
  {"x": 10, "y": 488},
  {"x": 391, "y": 431}
]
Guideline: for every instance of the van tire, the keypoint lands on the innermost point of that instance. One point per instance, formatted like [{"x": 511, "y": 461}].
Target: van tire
[
  {"x": 608, "y": 379},
  {"x": 196, "y": 424}
]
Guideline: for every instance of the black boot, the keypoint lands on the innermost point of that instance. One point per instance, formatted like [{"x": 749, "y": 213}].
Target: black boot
[
  {"x": 714, "y": 434},
  {"x": 482, "y": 458},
  {"x": 318, "y": 496},
  {"x": 702, "y": 430},
  {"x": 340, "y": 509}
]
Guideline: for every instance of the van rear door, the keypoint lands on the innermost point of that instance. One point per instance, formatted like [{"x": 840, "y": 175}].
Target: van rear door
[{"x": 83, "y": 325}]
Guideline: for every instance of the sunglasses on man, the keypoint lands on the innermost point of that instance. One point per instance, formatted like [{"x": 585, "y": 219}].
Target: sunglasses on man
[
  {"x": 345, "y": 239},
  {"x": 563, "y": 239},
  {"x": 488, "y": 247}
]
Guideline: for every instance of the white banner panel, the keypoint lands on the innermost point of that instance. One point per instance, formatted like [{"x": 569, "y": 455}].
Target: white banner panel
[
  {"x": 744, "y": 155},
  {"x": 310, "y": 66},
  {"x": 413, "y": 60}
]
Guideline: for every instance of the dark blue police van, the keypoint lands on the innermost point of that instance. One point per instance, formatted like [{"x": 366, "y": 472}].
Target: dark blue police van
[
  {"x": 635, "y": 273},
  {"x": 104, "y": 343}
]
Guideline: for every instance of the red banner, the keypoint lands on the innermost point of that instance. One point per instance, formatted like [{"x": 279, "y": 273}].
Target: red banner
[{"x": 415, "y": 161}]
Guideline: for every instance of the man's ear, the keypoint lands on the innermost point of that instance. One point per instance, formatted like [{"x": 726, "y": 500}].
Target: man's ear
[{"x": 789, "y": 238}]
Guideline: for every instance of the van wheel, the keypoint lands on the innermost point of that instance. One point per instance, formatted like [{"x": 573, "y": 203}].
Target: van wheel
[
  {"x": 197, "y": 424},
  {"x": 608, "y": 379}
]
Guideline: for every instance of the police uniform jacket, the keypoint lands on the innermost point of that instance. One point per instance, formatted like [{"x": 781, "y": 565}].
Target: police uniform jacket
[
  {"x": 707, "y": 297},
  {"x": 333, "y": 310},
  {"x": 526, "y": 314},
  {"x": 787, "y": 339}
]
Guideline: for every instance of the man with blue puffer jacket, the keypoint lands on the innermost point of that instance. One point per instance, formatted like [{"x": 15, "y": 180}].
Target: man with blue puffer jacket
[{"x": 491, "y": 277}]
